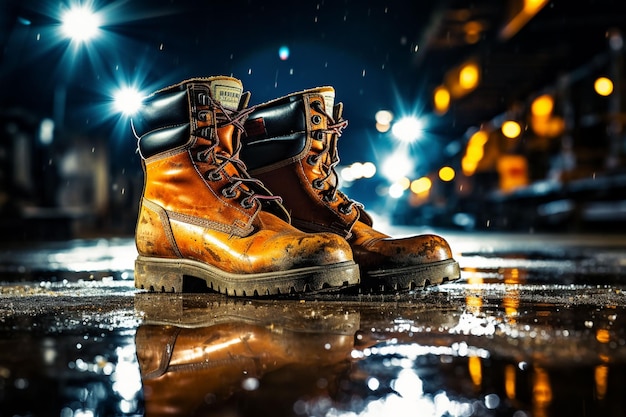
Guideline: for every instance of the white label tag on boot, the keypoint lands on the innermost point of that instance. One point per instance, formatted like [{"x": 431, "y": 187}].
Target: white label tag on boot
[
  {"x": 329, "y": 100},
  {"x": 228, "y": 94}
]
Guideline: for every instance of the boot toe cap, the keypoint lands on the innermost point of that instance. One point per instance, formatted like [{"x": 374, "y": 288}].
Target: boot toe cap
[
  {"x": 320, "y": 249},
  {"x": 392, "y": 252}
]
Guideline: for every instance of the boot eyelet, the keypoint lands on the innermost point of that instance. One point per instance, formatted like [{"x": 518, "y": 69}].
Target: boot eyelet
[
  {"x": 213, "y": 175},
  {"x": 317, "y": 105},
  {"x": 204, "y": 132},
  {"x": 318, "y": 134},
  {"x": 203, "y": 115},
  {"x": 247, "y": 203},
  {"x": 318, "y": 184},
  {"x": 228, "y": 192},
  {"x": 312, "y": 159},
  {"x": 345, "y": 209},
  {"x": 201, "y": 156},
  {"x": 328, "y": 199},
  {"x": 316, "y": 119},
  {"x": 202, "y": 99}
]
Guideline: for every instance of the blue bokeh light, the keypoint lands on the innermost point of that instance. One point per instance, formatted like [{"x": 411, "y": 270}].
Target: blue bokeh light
[{"x": 283, "y": 53}]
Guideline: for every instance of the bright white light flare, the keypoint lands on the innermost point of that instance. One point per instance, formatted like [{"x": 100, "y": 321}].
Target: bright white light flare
[
  {"x": 397, "y": 166},
  {"x": 127, "y": 100},
  {"x": 80, "y": 23},
  {"x": 407, "y": 129}
]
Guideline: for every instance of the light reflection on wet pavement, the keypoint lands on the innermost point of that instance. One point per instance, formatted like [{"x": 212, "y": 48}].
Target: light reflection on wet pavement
[{"x": 535, "y": 327}]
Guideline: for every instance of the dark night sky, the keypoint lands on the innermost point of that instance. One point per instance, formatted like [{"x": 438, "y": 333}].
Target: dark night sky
[{"x": 365, "y": 49}]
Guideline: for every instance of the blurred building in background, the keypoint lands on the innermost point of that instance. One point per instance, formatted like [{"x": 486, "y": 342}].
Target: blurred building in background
[
  {"x": 60, "y": 185},
  {"x": 546, "y": 148},
  {"x": 553, "y": 160}
]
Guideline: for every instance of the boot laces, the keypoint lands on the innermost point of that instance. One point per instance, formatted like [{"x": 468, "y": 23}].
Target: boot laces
[
  {"x": 330, "y": 158},
  {"x": 242, "y": 182},
  {"x": 226, "y": 116}
]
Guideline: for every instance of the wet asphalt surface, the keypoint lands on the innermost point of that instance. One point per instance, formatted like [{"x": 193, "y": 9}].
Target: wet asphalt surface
[{"x": 535, "y": 327}]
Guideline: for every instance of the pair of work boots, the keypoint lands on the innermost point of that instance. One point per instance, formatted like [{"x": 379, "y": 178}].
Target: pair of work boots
[{"x": 246, "y": 200}]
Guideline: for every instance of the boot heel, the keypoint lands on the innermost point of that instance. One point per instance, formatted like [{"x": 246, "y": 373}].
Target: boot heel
[{"x": 158, "y": 275}]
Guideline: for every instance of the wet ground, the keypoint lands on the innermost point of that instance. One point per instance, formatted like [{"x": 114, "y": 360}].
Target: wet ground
[{"x": 535, "y": 327}]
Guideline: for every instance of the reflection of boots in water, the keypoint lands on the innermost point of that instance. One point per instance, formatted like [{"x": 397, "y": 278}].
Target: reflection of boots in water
[{"x": 213, "y": 355}]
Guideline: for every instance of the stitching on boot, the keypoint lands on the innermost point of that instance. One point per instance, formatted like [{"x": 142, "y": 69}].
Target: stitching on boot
[
  {"x": 209, "y": 224},
  {"x": 165, "y": 221}
]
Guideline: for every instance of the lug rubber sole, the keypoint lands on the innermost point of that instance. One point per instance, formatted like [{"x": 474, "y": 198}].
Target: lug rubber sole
[
  {"x": 186, "y": 275},
  {"x": 411, "y": 277}
]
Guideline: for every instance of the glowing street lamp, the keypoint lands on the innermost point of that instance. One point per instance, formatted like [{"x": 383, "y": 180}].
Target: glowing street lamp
[
  {"x": 80, "y": 23},
  {"x": 446, "y": 174},
  {"x": 383, "y": 120},
  {"x": 603, "y": 86},
  {"x": 542, "y": 106},
  {"x": 421, "y": 185},
  {"x": 396, "y": 190},
  {"x": 469, "y": 76},
  {"x": 127, "y": 100},
  {"x": 408, "y": 129},
  {"x": 511, "y": 129},
  {"x": 441, "y": 99},
  {"x": 396, "y": 166}
]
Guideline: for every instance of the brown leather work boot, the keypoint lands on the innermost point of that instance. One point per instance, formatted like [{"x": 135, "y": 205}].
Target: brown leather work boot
[
  {"x": 203, "y": 216},
  {"x": 291, "y": 145}
]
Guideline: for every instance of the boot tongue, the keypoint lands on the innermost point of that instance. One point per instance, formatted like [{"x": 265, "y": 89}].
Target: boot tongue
[{"x": 227, "y": 91}]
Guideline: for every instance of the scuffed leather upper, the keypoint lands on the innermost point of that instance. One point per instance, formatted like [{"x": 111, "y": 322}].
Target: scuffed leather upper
[
  {"x": 280, "y": 157},
  {"x": 303, "y": 180},
  {"x": 199, "y": 202}
]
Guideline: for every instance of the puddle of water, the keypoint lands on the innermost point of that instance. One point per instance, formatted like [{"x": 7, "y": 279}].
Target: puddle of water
[
  {"x": 521, "y": 334},
  {"x": 315, "y": 358},
  {"x": 69, "y": 374},
  {"x": 204, "y": 354}
]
